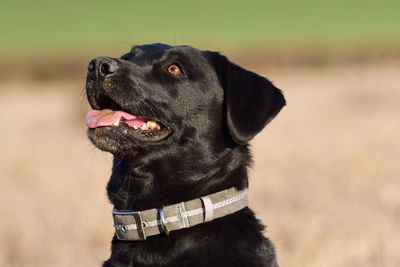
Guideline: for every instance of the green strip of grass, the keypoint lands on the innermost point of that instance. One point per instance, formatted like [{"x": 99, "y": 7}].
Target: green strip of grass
[{"x": 31, "y": 27}]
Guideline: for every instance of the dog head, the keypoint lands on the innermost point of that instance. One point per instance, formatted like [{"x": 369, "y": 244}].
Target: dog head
[{"x": 159, "y": 96}]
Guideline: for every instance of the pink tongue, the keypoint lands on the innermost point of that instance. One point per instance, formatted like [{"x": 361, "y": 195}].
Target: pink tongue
[{"x": 107, "y": 117}]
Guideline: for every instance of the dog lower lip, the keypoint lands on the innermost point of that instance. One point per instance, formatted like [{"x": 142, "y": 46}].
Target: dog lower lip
[{"x": 150, "y": 135}]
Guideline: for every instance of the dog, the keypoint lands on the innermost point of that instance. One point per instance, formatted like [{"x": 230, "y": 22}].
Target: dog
[{"x": 178, "y": 121}]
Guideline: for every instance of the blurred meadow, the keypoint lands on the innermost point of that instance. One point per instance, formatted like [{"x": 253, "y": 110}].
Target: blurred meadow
[{"x": 325, "y": 179}]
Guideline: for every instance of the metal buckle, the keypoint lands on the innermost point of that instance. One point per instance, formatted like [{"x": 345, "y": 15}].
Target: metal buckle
[{"x": 138, "y": 220}]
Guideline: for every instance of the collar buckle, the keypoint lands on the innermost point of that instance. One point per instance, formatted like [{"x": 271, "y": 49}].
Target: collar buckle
[{"x": 121, "y": 229}]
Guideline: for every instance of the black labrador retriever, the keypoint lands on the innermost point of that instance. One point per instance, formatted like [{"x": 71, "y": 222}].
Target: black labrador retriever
[{"x": 178, "y": 121}]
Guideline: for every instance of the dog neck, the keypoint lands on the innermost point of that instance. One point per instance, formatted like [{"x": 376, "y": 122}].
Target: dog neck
[{"x": 152, "y": 181}]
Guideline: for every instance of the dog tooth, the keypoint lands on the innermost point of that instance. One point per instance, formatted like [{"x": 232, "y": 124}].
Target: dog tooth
[
  {"x": 144, "y": 127},
  {"x": 116, "y": 123},
  {"x": 152, "y": 124},
  {"x": 135, "y": 127}
]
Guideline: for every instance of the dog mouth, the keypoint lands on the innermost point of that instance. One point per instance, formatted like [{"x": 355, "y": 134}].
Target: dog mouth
[{"x": 114, "y": 119}]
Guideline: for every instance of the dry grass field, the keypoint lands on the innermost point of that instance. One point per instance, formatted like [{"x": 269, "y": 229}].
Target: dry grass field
[{"x": 325, "y": 180}]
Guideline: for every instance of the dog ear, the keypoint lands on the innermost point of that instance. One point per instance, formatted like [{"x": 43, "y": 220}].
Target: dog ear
[{"x": 251, "y": 101}]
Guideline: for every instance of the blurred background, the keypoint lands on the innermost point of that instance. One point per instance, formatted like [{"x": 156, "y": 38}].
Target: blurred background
[{"x": 326, "y": 173}]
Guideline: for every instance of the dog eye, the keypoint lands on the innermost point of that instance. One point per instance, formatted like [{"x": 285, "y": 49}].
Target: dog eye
[{"x": 174, "y": 70}]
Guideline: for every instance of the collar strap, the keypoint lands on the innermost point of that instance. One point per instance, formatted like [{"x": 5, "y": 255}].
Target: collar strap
[{"x": 137, "y": 225}]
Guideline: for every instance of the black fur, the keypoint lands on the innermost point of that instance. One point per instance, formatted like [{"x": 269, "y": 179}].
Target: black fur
[{"x": 213, "y": 110}]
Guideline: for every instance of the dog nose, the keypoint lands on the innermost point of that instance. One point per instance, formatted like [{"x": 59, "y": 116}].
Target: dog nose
[{"x": 103, "y": 67}]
